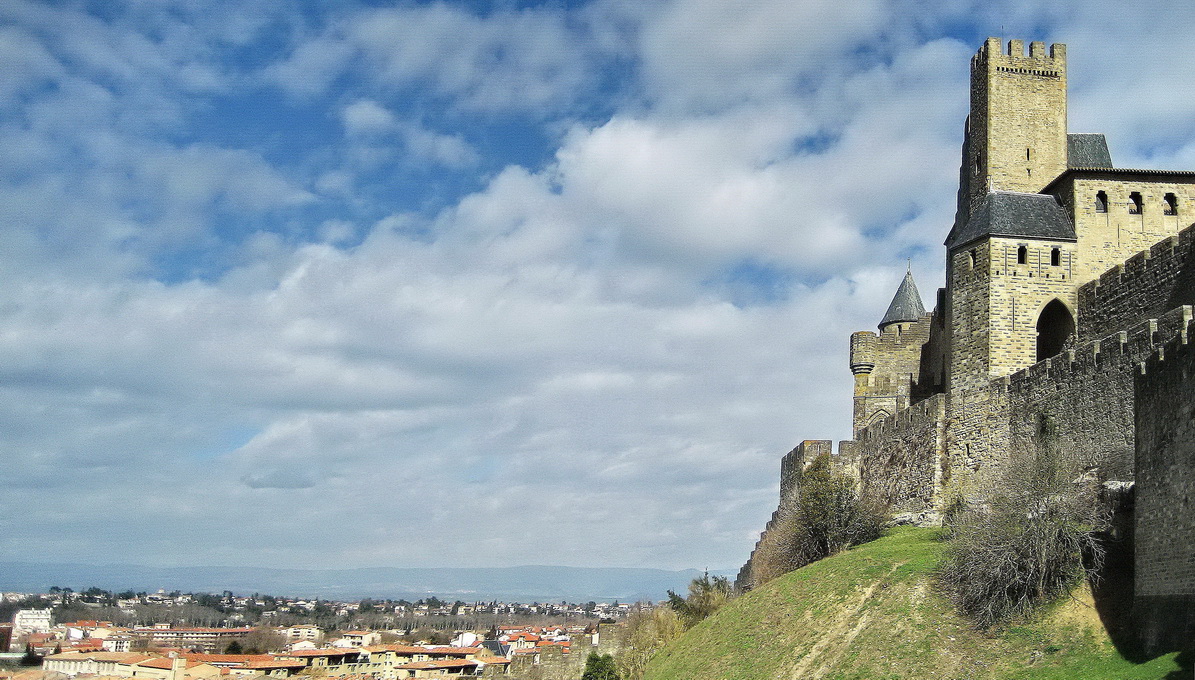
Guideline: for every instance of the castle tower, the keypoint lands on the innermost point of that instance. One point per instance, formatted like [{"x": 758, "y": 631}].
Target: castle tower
[
  {"x": 1011, "y": 252},
  {"x": 886, "y": 366},
  {"x": 1009, "y": 277},
  {"x": 1016, "y": 133}
]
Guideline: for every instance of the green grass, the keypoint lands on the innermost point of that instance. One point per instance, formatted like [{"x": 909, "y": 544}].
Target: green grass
[{"x": 872, "y": 613}]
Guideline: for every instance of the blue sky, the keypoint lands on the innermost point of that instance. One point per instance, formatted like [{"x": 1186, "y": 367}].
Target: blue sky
[{"x": 477, "y": 284}]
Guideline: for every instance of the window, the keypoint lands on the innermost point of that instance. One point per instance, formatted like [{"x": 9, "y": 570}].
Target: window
[
  {"x": 1101, "y": 202},
  {"x": 1135, "y": 203},
  {"x": 1026, "y": 153},
  {"x": 972, "y": 254},
  {"x": 1055, "y": 257},
  {"x": 1170, "y": 205},
  {"x": 1022, "y": 255}
]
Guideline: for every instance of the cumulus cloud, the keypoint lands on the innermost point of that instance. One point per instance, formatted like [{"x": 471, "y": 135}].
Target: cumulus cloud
[{"x": 594, "y": 265}]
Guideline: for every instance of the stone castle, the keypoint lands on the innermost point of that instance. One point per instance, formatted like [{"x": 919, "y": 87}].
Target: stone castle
[{"x": 1068, "y": 296}]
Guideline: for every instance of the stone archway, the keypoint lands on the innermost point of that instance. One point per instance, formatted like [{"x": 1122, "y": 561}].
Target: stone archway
[{"x": 1055, "y": 326}]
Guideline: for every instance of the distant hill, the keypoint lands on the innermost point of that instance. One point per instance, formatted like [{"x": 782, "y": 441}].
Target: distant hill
[
  {"x": 524, "y": 584},
  {"x": 872, "y": 612}
]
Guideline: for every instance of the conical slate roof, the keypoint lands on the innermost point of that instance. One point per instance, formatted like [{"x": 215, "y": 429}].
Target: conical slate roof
[{"x": 906, "y": 304}]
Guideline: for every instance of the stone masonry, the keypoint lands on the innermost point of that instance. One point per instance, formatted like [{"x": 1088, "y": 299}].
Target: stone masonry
[{"x": 1068, "y": 296}]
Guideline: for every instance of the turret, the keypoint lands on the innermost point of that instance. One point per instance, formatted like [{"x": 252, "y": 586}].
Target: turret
[
  {"x": 886, "y": 365},
  {"x": 906, "y": 305}
]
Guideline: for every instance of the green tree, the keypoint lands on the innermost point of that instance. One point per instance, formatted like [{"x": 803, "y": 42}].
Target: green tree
[
  {"x": 234, "y": 647},
  {"x": 600, "y": 667},
  {"x": 831, "y": 514},
  {"x": 31, "y": 657},
  {"x": 706, "y": 596}
]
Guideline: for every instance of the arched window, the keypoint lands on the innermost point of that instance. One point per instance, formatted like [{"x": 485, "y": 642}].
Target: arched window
[
  {"x": 1054, "y": 327},
  {"x": 1135, "y": 203},
  {"x": 1055, "y": 257},
  {"x": 1170, "y": 205},
  {"x": 877, "y": 417},
  {"x": 1022, "y": 254},
  {"x": 1101, "y": 202},
  {"x": 972, "y": 258}
]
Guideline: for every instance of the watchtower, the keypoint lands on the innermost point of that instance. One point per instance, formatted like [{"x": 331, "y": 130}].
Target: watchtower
[
  {"x": 1011, "y": 253},
  {"x": 1016, "y": 131}
]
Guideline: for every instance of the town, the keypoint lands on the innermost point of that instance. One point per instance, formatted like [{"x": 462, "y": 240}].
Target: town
[{"x": 174, "y": 636}]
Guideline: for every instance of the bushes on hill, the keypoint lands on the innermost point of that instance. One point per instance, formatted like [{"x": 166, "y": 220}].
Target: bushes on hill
[
  {"x": 706, "y": 596},
  {"x": 1032, "y": 538},
  {"x": 647, "y": 631},
  {"x": 600, "y": 667},
  {"x": 829, "y": 515}
]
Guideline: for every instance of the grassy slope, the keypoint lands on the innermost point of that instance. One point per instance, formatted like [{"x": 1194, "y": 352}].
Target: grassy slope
[{"x": 871, "y": 613}]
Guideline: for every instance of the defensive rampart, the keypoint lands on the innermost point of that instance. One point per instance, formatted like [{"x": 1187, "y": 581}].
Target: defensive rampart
[
  {"x": 1164, "y": 535},
  {"x": 1147, "y": 285},
  {"x": 900, "y": 458}
]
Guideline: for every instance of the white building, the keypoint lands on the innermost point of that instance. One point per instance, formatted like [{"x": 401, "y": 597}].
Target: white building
[{"x": 33, "y": 620}]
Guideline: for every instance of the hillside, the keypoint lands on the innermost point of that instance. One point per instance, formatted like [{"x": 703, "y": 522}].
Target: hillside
[{"x": 872, "y": 612}]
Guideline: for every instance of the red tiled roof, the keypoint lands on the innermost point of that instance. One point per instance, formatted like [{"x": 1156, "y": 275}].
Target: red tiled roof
[
  {"x": 452, "y": 651},
  {"x": 166, "y": 663},
  {"x": 274, "y": 663},
  {"x": 339, "y": 651},
  {"x": 440, "y": 663},
  {"x": 225, "y": 658}
]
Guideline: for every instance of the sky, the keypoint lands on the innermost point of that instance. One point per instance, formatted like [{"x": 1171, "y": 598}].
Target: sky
[{"x": 414, "y": 284}]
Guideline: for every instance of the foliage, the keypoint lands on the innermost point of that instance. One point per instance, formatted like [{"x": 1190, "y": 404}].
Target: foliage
[
  {"x": 234, "y": 647},
  {"x": 1031, "y": 541},
  {"x": 31, "y": 657},
  {"x": 829, "y": 516},
  {"x": 831, "y": 513},
  {"x": 600, "y": 667},
  {"x": 645, "y": 633},
  {"x": 706, "y": 596}
]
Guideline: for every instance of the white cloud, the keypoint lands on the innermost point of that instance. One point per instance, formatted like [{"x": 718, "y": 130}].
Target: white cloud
[{"x": 625, "y": 338}]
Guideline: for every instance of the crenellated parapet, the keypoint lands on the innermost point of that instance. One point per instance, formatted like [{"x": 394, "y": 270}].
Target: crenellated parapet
[{"x": 1147, "y": 284}]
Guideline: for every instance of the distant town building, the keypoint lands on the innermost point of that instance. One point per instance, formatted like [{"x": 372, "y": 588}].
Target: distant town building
[{"x": 33, "y": 620}]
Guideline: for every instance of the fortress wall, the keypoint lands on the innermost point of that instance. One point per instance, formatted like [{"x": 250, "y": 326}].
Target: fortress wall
[
  {"x": 1164, "y": 588},
  {"x": 1089, "y": 395},
  {"x": 770, "y": 556},
  {"x": 1147, "y": 285},
  {"x": 900, "y": 457},
  {"x": 1108, "y": 238}
]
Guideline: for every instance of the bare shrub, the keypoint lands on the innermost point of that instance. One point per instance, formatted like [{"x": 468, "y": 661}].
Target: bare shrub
[
  {"x": 647, "y": 631},
  {"x": 1025, "y": 544}
]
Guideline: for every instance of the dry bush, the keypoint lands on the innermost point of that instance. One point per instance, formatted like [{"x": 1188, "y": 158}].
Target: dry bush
[{"x": 1032, "y": 540}]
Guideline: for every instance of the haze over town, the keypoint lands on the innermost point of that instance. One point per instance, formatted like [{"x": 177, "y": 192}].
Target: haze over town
[{"x": 476, "y": 284}]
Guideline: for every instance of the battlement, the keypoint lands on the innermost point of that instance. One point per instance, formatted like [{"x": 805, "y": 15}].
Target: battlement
[
  {"x": 1148, "y": 284},
  {"x": 1010, "y": 57},
  {"x": 869, "y": 349},
  {"x": 1133, "y": 345}
]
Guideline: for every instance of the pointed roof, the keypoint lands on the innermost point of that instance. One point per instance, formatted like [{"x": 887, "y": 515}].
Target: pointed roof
[{"x": 906, "y": 304}]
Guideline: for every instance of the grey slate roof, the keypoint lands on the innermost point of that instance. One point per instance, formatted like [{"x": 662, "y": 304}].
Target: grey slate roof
[
  {"x": 906, "y": 304},
  {"x": 1010, "y": 213},
  {"x": 1087, "y": 151}
]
